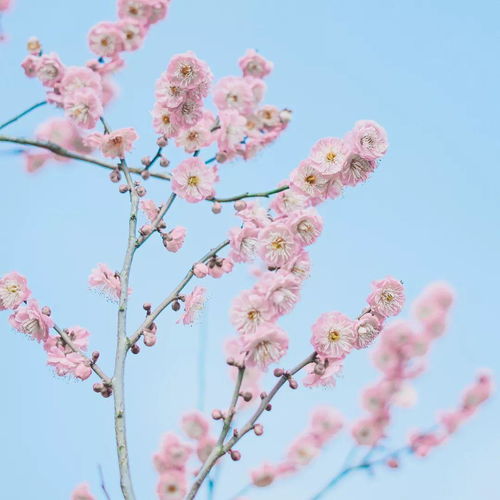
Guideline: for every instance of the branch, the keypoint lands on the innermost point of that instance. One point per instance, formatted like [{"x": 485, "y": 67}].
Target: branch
[
  {"x": 20, "y": 115},
  {"x": 161, "y": 213},
  {"x": 122, "y": 344},
  {"x": 264, "y": 194},
  {"x": 221, "y": 449},
  {"x": 103, "y": 484},
  {"x": 74, "y": 348},
  {"x": 173, "y": 295},
  {"x": 60, "y": 151}
]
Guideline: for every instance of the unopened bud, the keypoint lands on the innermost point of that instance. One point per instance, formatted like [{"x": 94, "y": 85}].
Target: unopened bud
[
  {"x": 236, "y": 432},
  {"x": 141, "y": 191},
  {"x": 278, "y": 372},
  {"x": 235, "y": 455},
  {"x": 285, "y": 115},
  {"x": 176, "y": 305},
  {"x": 146, "y": 230},
  {"x": 135, "y": 349},
  {"x": 247, "y": 396},
  {"x": 123, "y": 188},
  {"x": 164, "y": 162},
  {"x": 146, "y": 160},
  {"x": 263, "y": 395},
  {"x": 95, "y": 356},
  {"x": 293, "y": 383},
  {"x": 221, "y": 157},
  {"x": 46, "y": 310},
  {"x": 146, "y": 306},
  {"x": 115, "y": 175},
  {"x": 162, "y": 141},
  {"x": 145, "y": 174},
  {"x": 216, "y": 414},
  {"x": 258, "y": 429},
  {"x": 97, "y": 387},
  {"x": 217, "y": 208},
  {"x": 392, "y": 463},
  {"x": 34, "y": 46},
  {"x": 240, "y": 205},
  {"x": 269, "y": 407}
]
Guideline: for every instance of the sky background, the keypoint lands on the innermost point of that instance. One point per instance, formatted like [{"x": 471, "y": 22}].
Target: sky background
[{"x": 428, "y": 72}]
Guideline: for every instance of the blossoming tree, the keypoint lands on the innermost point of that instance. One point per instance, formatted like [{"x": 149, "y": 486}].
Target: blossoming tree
[{"x": 275, "y": 235}]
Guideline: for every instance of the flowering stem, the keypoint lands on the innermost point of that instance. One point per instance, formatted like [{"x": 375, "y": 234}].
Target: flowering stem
[
  {"x": 74, "y": 348},
  {"x": 20, "y": 115},
  {"x": 60, "y": 151},
  {"x": 172, "y": 296},
  {"x": 161, "y": 213},
  {"x": 107, "y": 130},
  {"x": 364, "y": 464},
  {"x": 264, "y": 194},
  {"x": 220, "y": 449},
  {"x": 122, "y": 344}
]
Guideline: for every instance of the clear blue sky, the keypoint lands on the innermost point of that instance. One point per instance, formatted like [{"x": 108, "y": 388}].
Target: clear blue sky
[{"x": 428, "y": 71}]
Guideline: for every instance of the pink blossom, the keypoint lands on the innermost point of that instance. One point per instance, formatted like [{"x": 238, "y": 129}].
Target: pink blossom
[
  {"x": 138, "y": 10},
  {"x": 452, "y": 420},
  {"x": 288, "y": 201},
  {"x": 107, "y": 281},
  {"x": 254, "y": 215},
  {"x": 367, "y": 432},
  {"x": 49, "y": 69},
  {"x": 106, "y": 39},
  {"x": 478, "y": 393},
  {"x": 204, "y": 447},
  {"x": 253, "y": 64},
  {"x": 172, "y": 485},
  {"x": 13, "y": 290},
  {"x": 82, "y": 492},
  {"x": 268, "y": 345},
  {"x": 325, "y": 423},
  {"x": 198, "y": 136},
  {"x": 387, "y": 297},
  {"x": 356, "y": 170},
  {"x": 299, "y": 266},
  {"x": 280, "y": 290},
  {"x": 64, "y": 360},
  {"x": 264, "y": 475},
  {"x": 195, "y": 425},
  {"x": 368, "y": 139},
  {"x": 168, "y": 92},
  {"x": 173, "y": 454},
  {"x": 324, "y": 378},
  {"x": 243, "y": 243},
  {"x": 30, "y": 320},
  {"x": 200, "y": 270},
  {"x": 30, "y": 65},
  {"x": 308, "y": 180},
  {"x": 303, "y": 450},
  {"x": 164, "y": 120},
  {"x": 133, "y": 33},
  {"x": 193, "y": 304},
  {"x": 63, "y": 132},
  {"x": 330, "y": 155},
  {"x": 175, "y": 239},
  {"x": 35, "y": 161},
  {"x": 423, "y": 443},
  {"x": 232, "y": 92},
  {"x": 374, "y": 399},
  {"x": 366, "y": 329},
  {"x": 84, "y": 107},
  {"x": 306, "y": 225},
  {"x": 232, "y": 130},
  {"x": 187, "y": 71},
  {"x": 257, "y": 86},
  {"x": 115, "y": 144},
  {"x": 333, "y": 335},
  {"x": 269, "y": 115},
  {"x": 78, "y": 78},
  {"x": 276, "y": 245},
  {"x": 249, "y": 311},
  {"x": 193, "y": 180},
  {"x": 150, "y": 209},
  {"x": 189, "y": 113}
]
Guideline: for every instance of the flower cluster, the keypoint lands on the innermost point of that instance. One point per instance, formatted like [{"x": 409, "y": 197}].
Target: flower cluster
[
  {"x": 35, "y": 322},
  {"x": 334, "y": 335},
  {"x": 178, "y": 110},
  {"x": 246, "y": 125},
  {"x": 400, "y": 356},
  {"x": 474, "y": 396},
  {"x": 325, "y": 423}
]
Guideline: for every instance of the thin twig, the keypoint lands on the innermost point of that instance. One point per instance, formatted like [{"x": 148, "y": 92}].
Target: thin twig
[
  {"x": 264, "y": 194},
  {"x": 24, "y": 113},
  {"x": 172, "y": 296},
  {"x": 103, "y": 484},
  {"x": 60, "y": 151}
]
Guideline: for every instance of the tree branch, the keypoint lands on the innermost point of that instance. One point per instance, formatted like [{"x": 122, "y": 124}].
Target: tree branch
[
  {"x": 264, "y": 194},
  {"x": 173, "y": 295},
  {"x": 20, "y": 115}
]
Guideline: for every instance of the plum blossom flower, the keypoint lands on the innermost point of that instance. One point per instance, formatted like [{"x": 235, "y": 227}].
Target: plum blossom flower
[
  {"x": 168, "y": 92},
  {"x": 115, "y": 144},
  {"x": 280, "y": 290},
  {"x": 232, "y": 92},
  {"x": 232, "y": 130},
  {"x": 299, "y": 266},
  {"x": 172, "y": 485},
  {"x": 249, "y": 311},
  {"x": 197, "y": 136},
  {"x": 333, "y": 335},
  {"x": 164, "y": 120},
  {"x": 366, "y": 329},
  {"x": 288, "y": 201},
  {"x": 107, "y": 281},
  {"x": 330, "y": 155},
  {"x": 324, "y": 378},
  {"x": 368, "y": 139},
  {"x": 30, "y": 320},
  {"x": 306, "y": 225},
  {"x": 303, "y": 450},
  {"x": 133, "y": 33},
  {"x": 187, "y": 71},
  {"x": 308, "y": 180},
  {"x": 78, "y": 78},
  {"x": 387, "y": 297},
  {"x": 49, "y": 69},
  {"x": 276, "y": 245},
  {"x": 84, "y": 107},
  {"x": 173, "y": 454},
  {"x": 106, "y": 39},
  {"x": 193, "y": 304},
  {"x": 325, "y": 423},
  {"x": 13, "y": 290},
  {"x": 150, "y": 209},
  {"x": 243, "y": 243},
  {"x": 139, "y": 10},
  {"x": 268, "y": 345},
  {"x": 82, "y": 492},
  {"x": 204, "y": 447},
  {"x": 174, "y": 239},
  {"x": 357, "y": 169},
  {"x": 367, "y": 432},
  {"x": 253, "y": 64},
  {"x": 193, "y": 180},
  {"x": 195, "y": 425},
  {"x": 264, "y": 475},
  {"x": 269, "y": 116},
  {"x": 64, "y": 360}
]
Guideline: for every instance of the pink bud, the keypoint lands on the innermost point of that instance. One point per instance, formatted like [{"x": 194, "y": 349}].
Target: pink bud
[
  {"x": 135, "y": 349},
  {"x": 247, "y": 396},
  {"x": 176, "y": 305},
  {"x": 200, "y": 270},
  {"x": 146, "y": 306},
  {"x": 97, "y": 387},
  {"x": 293, "y": 383},
  {"x": 115, "y": 175},
  {"x": 285, "y": 115},
  {"x": 240, "y": 205},
  {"x": 34, "y": 46},
  {"x": 146, "y": 229},
  {"x": 216, "y": 414},
  {"x": 146, "y": 160},
  {"x": 46, "y": 310},
  {"x": 217, "y": 208},
  {"x": 258, "y": 429},
  {"x": 141, "y": 191},
  {"x": 269, "y": 407},
  {"x": 278, "y": 372},
  {"x": 221, "y": 157},
  {"x": 235, "y": 455},
  {"x": 145, "y": 174},
  {"x": 95, "y": 356},
  {"x": 164, "y": 162},
  {"x": 392, "y": 463},
  {"x": 123, "y": 188},
  {"x": 162, "y": 141}
]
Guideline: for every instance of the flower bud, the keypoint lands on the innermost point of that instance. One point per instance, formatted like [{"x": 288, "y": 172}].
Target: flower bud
[
  {"x": 164, "y": 162},
  {"x": 145, "y": 174},
  {"x": 247, "y": 396},
  {"x": 146, "y": 230},
  {"x": 258, "y": 429},
  {"x": 278, "y": 372},
  {"x": 176, "y": 305},
  {"x": 235, "y": 455},
  {"x": 135, "y": 349},
  {"x": 123, "y": 188},
  {"x": 220, "y": 157},
  {"x": 216, "y": 414},
  {"x": 200, "y": 270},
  {"x": 146, "y": 306},
  {"x": 217, "y": 207},
  {"x": 162, "y": 141},
  {"x": 240, "y": 205},
  {"x": 97, "y": 387},
  {"x": 115, "y": 175},
  {"x": 34, "y": 46},
  {"x": 392, "y": 463},
  {"x": 146, "y": 160},
  {"x": 46, "y": 310},
  {"x": 141, "y": 191},
  {"x": 285, "y": 115},
  {"x": 95, "y": 356},
  {"x": 269, "y": 407},
  {"x": 293, "y": 383}
]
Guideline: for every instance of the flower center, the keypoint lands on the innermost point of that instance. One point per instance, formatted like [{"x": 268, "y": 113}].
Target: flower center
[
  {"x": 186, "y": 70},
  {"x": 13, "y": 288},
  {"x": 253, "y": 315},
  {"x": 310, "y": 179},
  {"x": 331, "y": 156},
  {"x": 193, "y": 180},
  {"x": 278, "y": 243},
  {"x": 333, "y": 335},
  {"x": 171, "y": 488},
  {"x": 117, "y": 140},
  {"x": 165, "y": 119},
  {"x": 388, "y": 296},
  {"x": 192, "y": 136}
]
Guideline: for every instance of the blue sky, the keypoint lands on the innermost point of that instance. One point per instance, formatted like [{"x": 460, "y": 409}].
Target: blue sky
[{"x": 428, "y": 72}]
